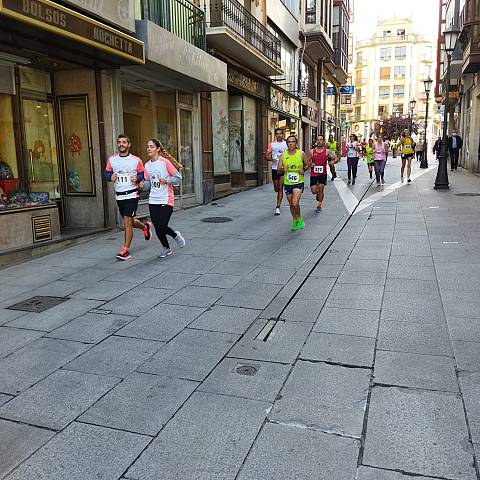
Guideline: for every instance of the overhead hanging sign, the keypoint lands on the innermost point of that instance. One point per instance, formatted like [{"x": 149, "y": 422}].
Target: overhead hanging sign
[{"x": 347, "y": 89}]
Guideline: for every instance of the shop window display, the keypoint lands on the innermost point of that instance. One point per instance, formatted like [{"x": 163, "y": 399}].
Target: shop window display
[{"x": 8, "y": 154}]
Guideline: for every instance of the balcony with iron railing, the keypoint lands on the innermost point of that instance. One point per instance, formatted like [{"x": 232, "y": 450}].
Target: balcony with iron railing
[
  {"x": 180, "y": 17},
  {"x": 470, "y": 36},
  {"x": 235, "y": 31}
]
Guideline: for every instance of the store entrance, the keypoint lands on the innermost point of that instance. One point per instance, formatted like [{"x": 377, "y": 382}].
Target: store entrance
[{"x": 43, "y": 168}]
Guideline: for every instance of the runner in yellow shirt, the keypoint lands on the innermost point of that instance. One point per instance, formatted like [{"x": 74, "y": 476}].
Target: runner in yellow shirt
[{"x": 407, "y": 146}]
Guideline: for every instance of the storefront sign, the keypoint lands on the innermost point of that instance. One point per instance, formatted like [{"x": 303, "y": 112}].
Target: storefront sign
[
  {"x": 284, "y": 102},
  {"x": 118, "y": 12},
  {"x": 347, "y": 89},
  {"x": 247, "y": 84},
  {"x": 330, "y": 91},
  {"x": 63, "y": 21}
]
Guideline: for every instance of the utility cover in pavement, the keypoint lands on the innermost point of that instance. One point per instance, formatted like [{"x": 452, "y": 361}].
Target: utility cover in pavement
[
  {"x": 38, "y": 304},
  {"x": 467, "y": 194},
  {"x": 248, "y": 370},
  {"x": 216, "y": 219}
]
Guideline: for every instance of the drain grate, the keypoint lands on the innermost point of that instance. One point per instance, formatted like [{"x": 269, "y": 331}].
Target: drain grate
[
  {"x": 247, "y": 370},
  {"x": 38, "y": 304},
  {"x": 467, "y": 194},
  {"x": 217, "y": 219}
]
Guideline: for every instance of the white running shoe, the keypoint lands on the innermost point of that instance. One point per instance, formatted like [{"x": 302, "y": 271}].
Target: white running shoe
[
  {"x": 277, "y": 211},
  {"x": 179, "y": 239},
  {"x": 166, "y": 252}
]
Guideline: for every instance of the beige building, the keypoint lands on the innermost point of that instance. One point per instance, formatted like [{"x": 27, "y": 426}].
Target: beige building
[{"x": 389, "y": 70}]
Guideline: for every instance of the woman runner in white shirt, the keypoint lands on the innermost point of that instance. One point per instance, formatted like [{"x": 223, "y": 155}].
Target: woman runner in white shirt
[{"x": 161, "y": 174}]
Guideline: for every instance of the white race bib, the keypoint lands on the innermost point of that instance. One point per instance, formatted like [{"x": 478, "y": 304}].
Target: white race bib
[
  {"x": 293, "y": 177},
  {"x": 123, "y": 179},
  {"x": 318, "y": 169},
  {"x": 156, "y": 183}
]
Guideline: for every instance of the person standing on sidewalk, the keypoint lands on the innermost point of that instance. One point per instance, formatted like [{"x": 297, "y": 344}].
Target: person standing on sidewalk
[
  {"x": 455, "y": 144},
  {"x": 419, "y": 147},
  {"x": 369, "y": 156},
  {"x": 274, "y": 150},
  {"x": 353, "y": 150},
  {"x": 126, "y": 171},
  {"x": 161, "y": 175},
  {"x": 293, "y": 163},
  {"x": 320, "y": 156},
  {"x": 380, "y": 154},
  {"x": 332, "y": 146},
  {"x": 408, "y": 150}
]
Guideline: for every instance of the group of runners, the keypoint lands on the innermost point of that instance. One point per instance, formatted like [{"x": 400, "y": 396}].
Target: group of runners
[
  {"x": 162, "y": 172},
  {"x": 289, "y": 165}
]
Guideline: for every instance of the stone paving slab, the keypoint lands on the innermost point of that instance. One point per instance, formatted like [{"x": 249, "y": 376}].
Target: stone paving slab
[
  {"x": 467, "y": 355},
  {"x": 104, "y": 290},
  {"x": 368, "y": 473},
  {"x": 285, "y": 452},
  {"x": 263, "y": 385},
  {"x": 217, "y": 280},
  {"x": 250, "y": 295},
  {"x": 301, "y": 310},
  {"x": 35, "y": 361},
  {"x": 91, "y": 328},
  {"x": 226, "y": 319},
  {"x": 412, "y": 307},
  {"x": 58, "y": 399},
  {"x": 419, "y": 432},
  {"x": 18, "y": 443},
  {"x": 341, "y": 349},
  {"x": 345, "y": 321},
  {"x": 115, "y": 356},
  {"x": 142, "y": 403},
  {"x": 5, "y": 398},
  {"x": 190, "y": 355},
  {"x": 324, "y": 397},
  {"x": 196, "y": 296},
  {"x": 83, "y": 451},
  {"x": 418, "y": 371},
  {"x": 282, "y": 346},
  {"x": 162, "y": 322},
  {"x": 208, "y": 439},
  {"x": 12, "y": 339}
]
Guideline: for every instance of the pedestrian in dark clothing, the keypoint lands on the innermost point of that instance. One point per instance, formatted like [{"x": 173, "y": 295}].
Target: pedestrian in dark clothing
[
  {"x": 437, "y": 147},
  {"x": 455, "y": 144}
]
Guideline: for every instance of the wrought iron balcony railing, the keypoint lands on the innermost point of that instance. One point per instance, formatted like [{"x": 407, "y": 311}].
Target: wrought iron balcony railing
[
  {"x": 181, "y": 17},
  {"x": 232, "y": 14}
]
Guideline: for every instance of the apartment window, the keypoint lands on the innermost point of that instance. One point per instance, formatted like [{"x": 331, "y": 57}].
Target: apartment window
[
  {"x": 382, "y": 110},
  {"x": 384, "y": 92},
  {"x": 358, "y": 112},
  {"x": 399, "y": 71},
  {"x": 347, "y": 99},
  {"x": 398, "y": 91},
  {"x": 401, "y": 32},
  {"x": 293, "y": 6},
  {"x": 385, "y": 73},
  {"x": 311, "y": 11},
  {"x": 358, "y": 94},
  {"x": 400, "y": 53},
  {"x": 359, "y": 57},
  {"x": 385, "y": 54},
  {"x": 387, "y": 33},
  {"x": 398, "y": 108}
]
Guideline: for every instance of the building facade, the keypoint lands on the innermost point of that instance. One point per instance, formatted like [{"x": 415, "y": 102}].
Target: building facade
[
  {"x": 72, "y": 77},
  {"x": 388, "y": 73}
]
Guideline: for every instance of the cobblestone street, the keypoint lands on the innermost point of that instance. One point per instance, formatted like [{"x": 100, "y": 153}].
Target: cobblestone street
[{"x": 346, "y": 351}]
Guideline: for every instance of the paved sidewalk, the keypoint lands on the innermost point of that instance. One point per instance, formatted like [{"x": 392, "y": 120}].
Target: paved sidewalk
[{"x": 256, "y": 353}]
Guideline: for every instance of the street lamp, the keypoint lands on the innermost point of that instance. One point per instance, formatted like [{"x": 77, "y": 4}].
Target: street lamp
[
  {"x": 427, "y": 83},
  {"x": 441, "y": 182},
  {"x": 411, "y": 109}
]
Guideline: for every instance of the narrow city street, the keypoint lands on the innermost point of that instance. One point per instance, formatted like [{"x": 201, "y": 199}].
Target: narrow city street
[{"x": 349, "y": 350}]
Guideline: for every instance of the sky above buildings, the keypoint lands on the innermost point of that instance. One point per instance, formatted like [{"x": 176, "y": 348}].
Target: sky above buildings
[{"x": 368, "y": 12}]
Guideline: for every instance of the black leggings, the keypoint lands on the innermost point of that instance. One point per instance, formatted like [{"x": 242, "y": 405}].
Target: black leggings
[
  {"x": 160, "y": 215},
  {"x": 352, "y": 164}
]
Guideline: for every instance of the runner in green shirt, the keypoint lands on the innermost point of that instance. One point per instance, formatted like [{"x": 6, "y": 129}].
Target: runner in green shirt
[
  {"x": 369, "y": 156},
  {"x": 332, "y": 146}
]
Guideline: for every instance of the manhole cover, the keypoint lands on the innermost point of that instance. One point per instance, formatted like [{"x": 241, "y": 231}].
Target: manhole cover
[
  {"x": 467, "y": 194},
  {"x": 248, "y": 370},
  {"x": 38, "y": 304},
  {"x": 216, "y": 219}
]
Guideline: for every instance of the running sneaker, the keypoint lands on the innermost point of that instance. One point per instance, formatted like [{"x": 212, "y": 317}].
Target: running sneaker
[
  {"x": 147, "y": 231},
  {"x": 334, "y": 177},
  {"x": 295, "y": 225},
  {"x": 383, "y": 181},
  {"x": 300, "y": 223},
  {"x": 277, "y": 211},
  {"x": 179, "y": 239},
  {"x": 166, "y": 252},
  {"x": 401, "y": 179},
  {"x": 123, "y": 254},
  {"x": 348, "y": 183},
  {"x": 409, "y": 180},
  {"x": 353, "y": 182},
  {"x": 318, "y": 210},
  {"x": 371, "y": 175}
]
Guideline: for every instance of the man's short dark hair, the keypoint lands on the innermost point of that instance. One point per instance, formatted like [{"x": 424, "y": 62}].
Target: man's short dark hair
[
  {"x": 279, "y": 130},
  {"x": 122, "y": 135}
]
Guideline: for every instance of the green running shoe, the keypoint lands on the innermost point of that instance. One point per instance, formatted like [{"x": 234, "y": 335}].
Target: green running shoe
[
  {"x": 295, "y": 225},
  {"x": 300, "y": 223}
]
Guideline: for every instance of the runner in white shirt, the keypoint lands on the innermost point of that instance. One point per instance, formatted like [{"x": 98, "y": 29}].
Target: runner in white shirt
[
  {"x": 274, "y": 150},
  {"x": 127, "y": 173},
  {"x": 161, "y": 176}
]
